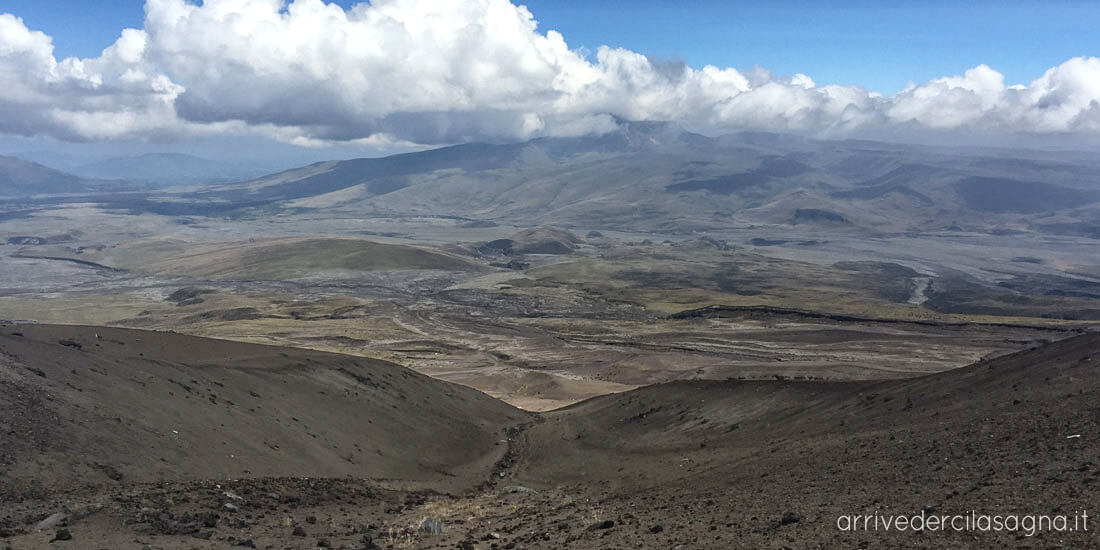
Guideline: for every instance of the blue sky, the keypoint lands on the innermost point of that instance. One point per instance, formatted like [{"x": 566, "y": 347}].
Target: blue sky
[
  {"x": 428, "y": 72},
  {"x": 878, "y": 45}
]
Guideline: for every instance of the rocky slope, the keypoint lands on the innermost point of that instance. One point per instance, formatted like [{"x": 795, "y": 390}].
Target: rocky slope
[{"x": 156, "y": 440}]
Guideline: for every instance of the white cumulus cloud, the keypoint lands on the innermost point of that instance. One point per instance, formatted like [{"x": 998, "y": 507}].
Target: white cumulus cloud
[{"x": 430, "y": 72}]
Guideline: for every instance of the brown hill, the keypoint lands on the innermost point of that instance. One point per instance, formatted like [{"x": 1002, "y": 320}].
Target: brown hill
[
  {"x": 536, "y": 240},
  {"x": 98, "y": 406},
  {"x": 719, "y": 464}
]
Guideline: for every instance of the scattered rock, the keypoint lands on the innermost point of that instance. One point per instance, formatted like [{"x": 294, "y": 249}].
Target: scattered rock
[
  {"x": 246, "y": 543},
  {"x": 656, "y": 529},
  {"x": 51, "y": 521},
  {"x": 605, "y": 524},
  {"x": 516, "y": 489},
  {"x": 70, "y": 343},
  {"x": 110, "y": 471},
  {"x": 431, "y": 526},
  {"x": 789, "y": 518},
  {"x": 62, "y": 534},
  {"x": 298, "y": 532},
  {"x": 231, "y": 507}
]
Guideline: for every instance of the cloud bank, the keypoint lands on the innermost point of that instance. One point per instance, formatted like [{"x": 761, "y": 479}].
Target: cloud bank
[{"x": 429, "y": 72}]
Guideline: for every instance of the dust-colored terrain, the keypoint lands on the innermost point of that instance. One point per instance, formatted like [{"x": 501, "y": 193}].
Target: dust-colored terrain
[
  {"x": 225, "y": 410},
  {"x": 599, "y": 315},
  {"x": 647, "y": 339},
  {"x": 157, "y": 440}
]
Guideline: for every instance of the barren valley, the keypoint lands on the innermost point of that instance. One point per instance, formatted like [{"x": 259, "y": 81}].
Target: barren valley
[{"x": 648, "y": 339}]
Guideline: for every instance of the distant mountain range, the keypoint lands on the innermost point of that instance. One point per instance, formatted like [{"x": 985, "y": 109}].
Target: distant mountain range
[
  {"x": 656, "y": 177},
  {"x": 19, "y": 177},
  {"x": 169, "y": 168},
  {"x": 155, "y": 169}
]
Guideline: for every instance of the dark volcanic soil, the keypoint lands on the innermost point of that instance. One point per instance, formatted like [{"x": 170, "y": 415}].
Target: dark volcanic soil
[
  {"x": 88, "y": 427},
  {"x": 89, "y": 404}
]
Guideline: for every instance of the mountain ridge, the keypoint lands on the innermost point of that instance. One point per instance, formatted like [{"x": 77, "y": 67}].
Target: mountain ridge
[{"x": 659, "y": 177}]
